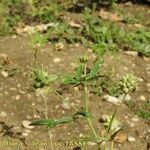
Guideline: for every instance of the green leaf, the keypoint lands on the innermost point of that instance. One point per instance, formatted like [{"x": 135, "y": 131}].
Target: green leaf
[
  {"x": 114, "y": 134},
  {"x": 94, "y": 70},
  {"x": 79, "y": 72},
  {"x": 111, "y": 122},
  {"x": 52, "y": 78},
  {"x": 64, "y": 120},
  {"x": 42, "y": 78},
  {"x": 69, "y": 80},
  {"x": 52, "y": 122},
  {"x": 82, "y": 113}
]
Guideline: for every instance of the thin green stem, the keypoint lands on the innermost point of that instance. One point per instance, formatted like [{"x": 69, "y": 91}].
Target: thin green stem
[
  {"x": 92, "y": 128},
  {"x": 35, "y": 55},
  {"x": 124, "y": 96},
  {"x": 86, "y": 97},
  {"x": 46, "y": 117},
  {"x": 112, "y": 145}
]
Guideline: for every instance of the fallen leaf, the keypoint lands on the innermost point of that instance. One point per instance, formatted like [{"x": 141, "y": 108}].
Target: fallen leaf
[
  {"x": 120, "y": 137},
  {"x": 6, "y": 59},
  {"x": 110, "y": 16},
  {"x": 59, "y": 46}
]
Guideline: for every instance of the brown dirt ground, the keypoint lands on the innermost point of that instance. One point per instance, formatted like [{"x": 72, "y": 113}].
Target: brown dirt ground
[{"x": 30, "y": 106}]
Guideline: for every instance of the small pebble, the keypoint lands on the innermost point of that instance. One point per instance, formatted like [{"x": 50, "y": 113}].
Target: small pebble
[
  {"x": 25, "y": 134},
  {"x": 68, "y": 133},
  {"x": 19, "y": 85},
  {"x": 14, "y": 36},
  {"x": 74, "y": 65},
  {"x": 26, "y": 124},
  {"x": 4, "y": 74},
  {"x": 3, "y": 55},
  {"x": 112, "y": 99},
  {"x": 148, "y": 131},
  {"x": 132, "y": 124},
  {"x": 77, "y": 45},
  {"x": 140, "y": 80},
  {"x": 3, "y": 114},
  {"x": 29, "y": 96},
  {"x": 17, "y": 97},
  {"x": 126, "y": 68},
  {"x": 28, "y": 117},
  {"x": 76, "y": 88},
  {"x": 57, "y": 106},
  {"x": 78, "y": 101},
  {"x": 56, "y": 60},
  {"x": 135, "y": 119},
  {"x": 89, "y": 50},
  {"x": 65, "y": 105},
  {"x": 36, "y": 116},
  {"x": 131, "y": 139},
  {"x": 148, "y": 84},
  {"x": 12, "y": 89},
  {"x": 142, "y": 98},
  {"x": 63, "y": 112},
  {"x": 6, "y": 92},
  {"x": 126, "y": 98},
  {"x": 132, "y": 53},
  {"x": 81, "y": 135},
  {"x": 33, "y": 104}
]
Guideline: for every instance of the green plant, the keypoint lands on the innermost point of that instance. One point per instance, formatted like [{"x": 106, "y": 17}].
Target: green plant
[
  {"x": 62, "y": 32},
  {"x": 128, "y": 83},
  {"x": 10, "y": 16},
  {"x": 81, "y": 77},
  {"x": 139, "y": 41},
  {"x": 112, "y": 128},
  {"x": 103, "y": 36},
  {"x": 47, "y": 11},
  {"x": 144, "y": 112},
  {"x": 42, "y": 78},
  {"x": 37, "y": 40}
]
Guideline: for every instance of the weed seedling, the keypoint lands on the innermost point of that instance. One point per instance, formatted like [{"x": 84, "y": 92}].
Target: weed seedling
[
  {"x": 42, "y": 78},
  {"x": 37, "y": 41},
  {"x": 82, "y": 76},
  {"x": 127, "y": 84},
  {"x": 112, "y": 128},
  {"x": 144, "y": 112}
]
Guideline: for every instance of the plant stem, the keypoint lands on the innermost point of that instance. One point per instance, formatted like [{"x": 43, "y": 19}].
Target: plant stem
[
  {"x": 112, "y": 145},
  {"x": 86, "y": 97},
  {"x": 124, "y": 96},
  {"x": 87, "y": 110},
  {"x": 46, "y": 117},
  {"x": 35, "y": 55},
  {"x": 92, "y": 128}
]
